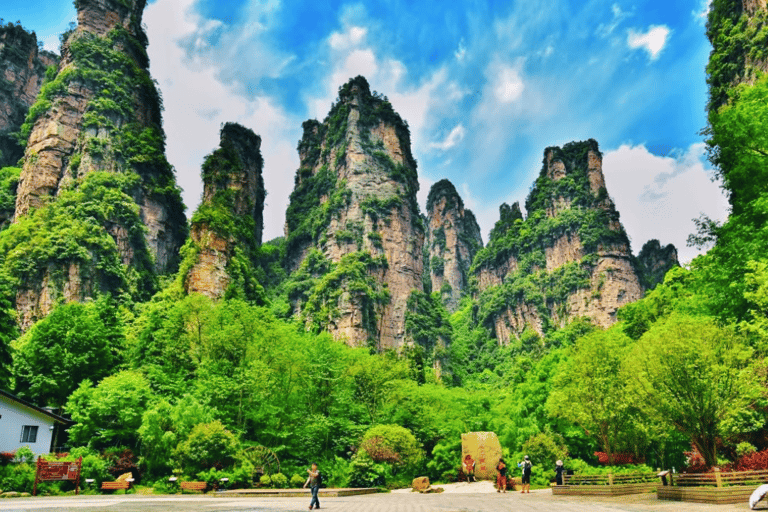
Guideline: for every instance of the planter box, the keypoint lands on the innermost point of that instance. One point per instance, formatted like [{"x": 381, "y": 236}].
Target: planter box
[
  {"x": 603, "y": 490},
  {"x": 712, "y": 495}
]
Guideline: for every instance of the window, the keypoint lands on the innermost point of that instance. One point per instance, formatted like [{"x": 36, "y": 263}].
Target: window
[{"x": 29, "y": 434}]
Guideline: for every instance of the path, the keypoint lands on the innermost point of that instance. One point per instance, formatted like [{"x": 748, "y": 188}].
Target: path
[{"x": 539, "y": 501}]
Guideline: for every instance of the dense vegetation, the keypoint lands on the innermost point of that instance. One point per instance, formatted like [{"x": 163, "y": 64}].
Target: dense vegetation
[{"x": 183, "y": 384}]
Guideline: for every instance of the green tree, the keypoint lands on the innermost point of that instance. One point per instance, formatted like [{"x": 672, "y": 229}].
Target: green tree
[
  {"x": 591, "y": 391},
  {"x": 164, "y": 426},
  {"x": 694, "y": 376},
  {"x": 546, "y": 448},
  {"x": 109, "y": 414},
  {"x": 209, "y": 445},
  {"x": 372, "y": 378},
  {"x": 57, "y": 353},
  {"x": 738, "y": 143}
]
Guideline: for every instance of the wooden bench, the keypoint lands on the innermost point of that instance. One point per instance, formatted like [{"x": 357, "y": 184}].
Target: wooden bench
[
  {"x": 115, "y": 486},
  {"x": 193, "y": 486}
]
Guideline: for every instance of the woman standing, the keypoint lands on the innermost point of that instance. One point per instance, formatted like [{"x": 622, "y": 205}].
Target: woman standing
[{"x": 501, "y": 478}]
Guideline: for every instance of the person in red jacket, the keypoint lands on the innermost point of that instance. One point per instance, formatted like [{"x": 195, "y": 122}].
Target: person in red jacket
[{"x": 501, "y": 478}]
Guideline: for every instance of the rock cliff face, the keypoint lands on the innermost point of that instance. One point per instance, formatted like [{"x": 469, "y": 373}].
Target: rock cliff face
[
  {"x": 227, "y": 226},
  {"x": 102, "y": 113},
  {"x": 569, "y": 258},
  {"x": 22, "y": 71},
  {"x": 353, "y": 230},
  {"x": 654, "y": 261},
  {"x": 453, "y": 238},
  {"x": 736, "y": 29},
  {"x": 95, "y": 127}
]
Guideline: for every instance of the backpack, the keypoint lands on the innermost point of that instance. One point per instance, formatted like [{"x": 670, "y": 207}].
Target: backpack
[{"x": 527, "y": 465}]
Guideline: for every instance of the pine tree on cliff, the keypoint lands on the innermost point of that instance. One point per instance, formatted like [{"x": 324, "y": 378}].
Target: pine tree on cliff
[{"x": 97, "y": 209}]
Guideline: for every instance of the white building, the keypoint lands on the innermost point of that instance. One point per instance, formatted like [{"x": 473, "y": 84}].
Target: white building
[{"x": 23, "y": 424}]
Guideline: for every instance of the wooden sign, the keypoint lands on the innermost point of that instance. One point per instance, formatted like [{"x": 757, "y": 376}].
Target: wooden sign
[{"x": 56, "y": 471}]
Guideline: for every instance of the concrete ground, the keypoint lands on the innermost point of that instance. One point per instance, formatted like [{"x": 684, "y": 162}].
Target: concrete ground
[{"x": 538, "y": 500}]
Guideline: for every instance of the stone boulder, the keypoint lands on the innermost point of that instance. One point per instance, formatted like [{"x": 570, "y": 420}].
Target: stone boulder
[
  {"x": 124, "y": 477},
  {"x": 485, "y": 449},
  {"x": 420, "y": 484}
]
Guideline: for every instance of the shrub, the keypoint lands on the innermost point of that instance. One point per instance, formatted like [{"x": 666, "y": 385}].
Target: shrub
[
  {"x": 17, "y": 477},
  {"x": 163, "y": 486},
  {"x": 265, "y": 481},
  {"x": 619, "y": 459},
  {"x": 442, "y": 465},
  {"x": 24, "y": 454},
  {"x": 365, "y": 472},
  {"x": 94, "y": 466},
  {"x": 297, "y": 480},
  {"x": 209, "y": 445},
  {"x": 751, "y": 461},
  {"x": 393, "y": 444},
  {"x": 279, "y": 481}
]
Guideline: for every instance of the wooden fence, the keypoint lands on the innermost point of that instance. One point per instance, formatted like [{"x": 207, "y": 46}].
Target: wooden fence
[
  {"x": 717, "y": 487},
  {"x": 607, "y": 485}
]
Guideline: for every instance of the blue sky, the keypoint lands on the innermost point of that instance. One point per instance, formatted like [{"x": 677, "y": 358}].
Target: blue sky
[{"x": 484, "y": 85}]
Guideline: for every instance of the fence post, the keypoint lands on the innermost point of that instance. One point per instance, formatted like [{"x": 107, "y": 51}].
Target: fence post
[
  {"x": 718, "y": 477},
  {"x": 610, "y": 477}
]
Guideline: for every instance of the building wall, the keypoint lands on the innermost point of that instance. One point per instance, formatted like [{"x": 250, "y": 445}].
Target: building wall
[{"x": 13, "y": 417}]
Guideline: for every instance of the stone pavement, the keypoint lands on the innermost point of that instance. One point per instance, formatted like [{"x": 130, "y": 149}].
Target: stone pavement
[{"x": 390, "y": 502}]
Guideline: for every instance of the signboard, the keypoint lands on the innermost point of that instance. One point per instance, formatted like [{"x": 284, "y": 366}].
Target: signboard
[
  {"x": 485, "y": 449},
  {"x": 55, "y": 471}
]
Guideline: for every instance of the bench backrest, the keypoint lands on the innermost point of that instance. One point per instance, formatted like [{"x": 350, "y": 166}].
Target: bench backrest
[
  {"x": 199, "y": 486},
  {"x": 115, "y": 485}
]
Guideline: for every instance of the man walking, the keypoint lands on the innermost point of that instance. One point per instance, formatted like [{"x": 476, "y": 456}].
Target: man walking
[{"x": 314, "y": 482}]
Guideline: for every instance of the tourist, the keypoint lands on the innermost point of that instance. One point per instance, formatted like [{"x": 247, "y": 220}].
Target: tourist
[
  {"x": 314, "y": 481},
  {"x": 559, "y": 470},
  {"x": 501, "y": 478},
  {"x": 526, "y": 465},
  {"x": 469, "y": 468}
]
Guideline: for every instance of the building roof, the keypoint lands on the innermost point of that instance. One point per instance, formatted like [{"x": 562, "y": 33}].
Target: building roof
[{"x": 54, "y": 417}]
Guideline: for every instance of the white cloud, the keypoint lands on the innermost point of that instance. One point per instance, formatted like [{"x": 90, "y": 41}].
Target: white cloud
[
  {"x": 197, "y": 101},
  {"x": 454, "y": 137},
  {"x": 508, "y": 85},
  {"x": 658, "y": 196},
  {"x": 652, "y": 41},
  {"x": 349, "y": 39},
  {"x": 606, "y": 29}
]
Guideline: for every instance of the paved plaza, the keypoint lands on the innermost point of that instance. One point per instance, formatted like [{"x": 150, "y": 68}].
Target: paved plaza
[{"x": 541, "y": 500}]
